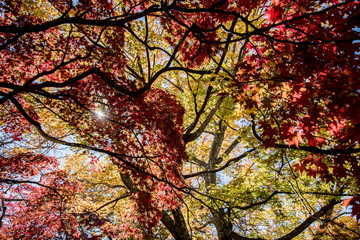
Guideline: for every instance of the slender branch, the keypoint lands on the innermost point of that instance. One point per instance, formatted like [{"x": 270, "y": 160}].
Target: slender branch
[
  {"x": 198, "y": 113},
  {"x": 193, "y": 136},
  {"x": 78, "y": 20},
  {"x": 227, "y": 164},
  {"x": 12, "y": 181},
  {"x": 10, "y": 41},
  {"x": 108, "y": 203},
  {"x": 299, "y": 229},
  {"x": 13, "y": 199},
  {"x": 3, "y": 210},
  {"x": 258, "y": 203},
  {"x": 228, "y": 150},
  {"x": 198, "y": 162}
]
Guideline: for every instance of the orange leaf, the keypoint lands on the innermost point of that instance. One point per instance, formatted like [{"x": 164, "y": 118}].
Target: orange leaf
[{"x": 346, "y": 202}]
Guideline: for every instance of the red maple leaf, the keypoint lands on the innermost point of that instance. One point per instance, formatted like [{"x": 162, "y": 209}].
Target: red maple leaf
[{"x": 275, "y": 13}]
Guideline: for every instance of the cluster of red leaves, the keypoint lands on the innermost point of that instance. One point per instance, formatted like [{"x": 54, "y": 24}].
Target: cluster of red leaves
[
  {"x": 16, "y": 127},
  {"x": 202, "y": 26},
  {"x": 25, "y": 165},
  {"x": 196, "y": 48},
  {"x": 34, "y": 194},
  {"x": 308, "y": 71},
  {"x": 329, "y": 169},
  {"x": 158, "y": 117}
]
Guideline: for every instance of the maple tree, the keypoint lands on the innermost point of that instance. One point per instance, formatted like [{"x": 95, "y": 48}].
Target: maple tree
[{"x": 207, "y": 119}]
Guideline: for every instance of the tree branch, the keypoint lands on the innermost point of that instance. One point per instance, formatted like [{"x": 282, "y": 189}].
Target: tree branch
[
  {"x": 78, "y": 20},
  {"x": 193, "y": 136},
  {"x": 233, "y": 160},
  {"x": 298, "y": 229},
  {"x": 258, "y": 203},
  {"x": 310, "y": 220}
]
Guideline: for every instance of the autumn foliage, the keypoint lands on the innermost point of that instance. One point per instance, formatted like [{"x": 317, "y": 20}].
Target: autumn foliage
[{"x": 99, "y": 77}]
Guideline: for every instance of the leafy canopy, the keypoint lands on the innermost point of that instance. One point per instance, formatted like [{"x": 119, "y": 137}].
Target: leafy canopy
[{"x": 179, "y": 119}]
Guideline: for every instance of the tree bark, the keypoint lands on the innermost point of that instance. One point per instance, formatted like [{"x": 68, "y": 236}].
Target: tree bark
[{"x": 177, "y": 226}]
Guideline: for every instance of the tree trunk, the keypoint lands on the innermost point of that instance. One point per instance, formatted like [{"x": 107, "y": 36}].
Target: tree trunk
[{"x": 177, "y": 226}]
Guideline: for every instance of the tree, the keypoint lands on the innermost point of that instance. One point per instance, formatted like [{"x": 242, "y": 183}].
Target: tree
[{"x": 206, "y": 119}]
